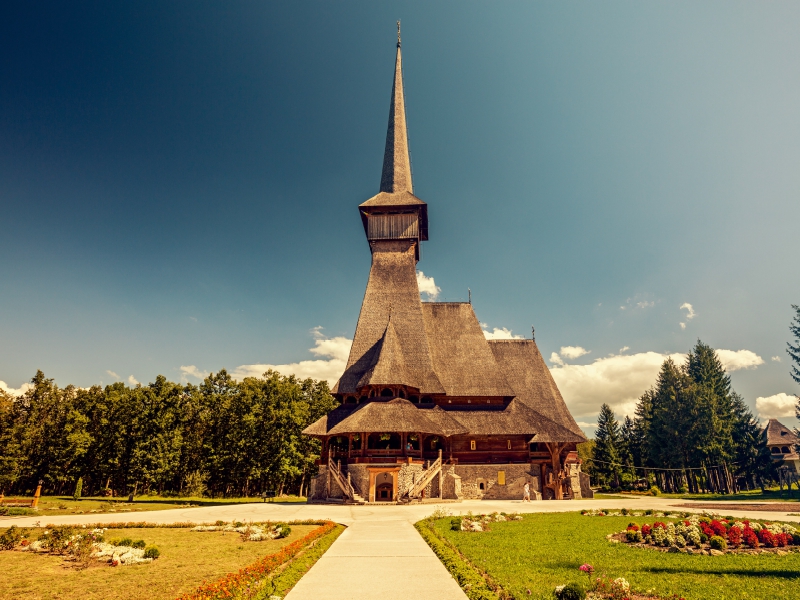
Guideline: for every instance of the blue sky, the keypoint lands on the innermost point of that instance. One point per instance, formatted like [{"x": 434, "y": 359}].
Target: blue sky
[{"x": 179, "y": 182}]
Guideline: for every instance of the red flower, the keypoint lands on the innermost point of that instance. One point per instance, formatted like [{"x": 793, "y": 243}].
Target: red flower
[
  {"x": 735, "y": 536},
  {"x": 646, "y": 529}
]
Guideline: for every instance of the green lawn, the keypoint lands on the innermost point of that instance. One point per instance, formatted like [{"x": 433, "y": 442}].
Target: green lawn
[
  {"x": 769, "y": 495},
  {"x": 545, "y": 550},
  {"x": 65, "y": 505},
  {"x": 188, "y": 558}
]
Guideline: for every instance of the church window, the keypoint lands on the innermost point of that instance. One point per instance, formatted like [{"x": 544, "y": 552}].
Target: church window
[
  {"x": 776, "y": 450},
  {"x": 426, "y": 400},
  {"x": 482, "y": 486},
  {"x": 785, "y": 450},
  {"x": 387, "y": 393},
  {"x": 414, "y": 399},
  {"x": 401, "y": 393},
  {"x": 472, "y": 446}
]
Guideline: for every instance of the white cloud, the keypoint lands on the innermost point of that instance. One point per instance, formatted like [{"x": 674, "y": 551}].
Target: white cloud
[
  {"x": 690, "y": 314},
  {"x": 114, "y": 375},
  {"x": 777, "y": 406},
  {"x": 645, "y": 304},
  {"x": 132, "y": 380},
  {"x": 776, "y": 359},
  {"x": 499, "y": 333},
  {"x": 14, "y": 392},
  {"x": 586, "y": 425},
  {"x": 427, "y": 286},
  {"x": 192, "y": 371},
  {"x": 734, "y": 360},
  {"x": 573, "y": 351},
  {"x": 334, "y": 352},
  {"x": 618, "y": 381}
]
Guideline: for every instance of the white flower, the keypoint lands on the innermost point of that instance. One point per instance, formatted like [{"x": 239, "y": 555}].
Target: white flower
[
  {"x": 560, "y": 588},
  {"x": 622, "y": 583}
]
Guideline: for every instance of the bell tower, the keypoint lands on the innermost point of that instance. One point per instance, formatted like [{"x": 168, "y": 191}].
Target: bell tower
[{"x": 396, "y": 213}]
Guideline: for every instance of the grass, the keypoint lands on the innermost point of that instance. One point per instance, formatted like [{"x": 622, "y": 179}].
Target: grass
[
  {"x": 545, "y": 550},
  {"x": 187, "y": 560},
  {"x": 769, "y": 495},
  {"x": 284, "y": 581},
  {"x": 65, "y": 505}
]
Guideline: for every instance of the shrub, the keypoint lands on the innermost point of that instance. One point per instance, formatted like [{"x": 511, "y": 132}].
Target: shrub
[
  {"x": 646, "y": 529},
  {"x": 138, "y": 544},
  {"x": 633, "y": 536},
  {"x": 571, "y": 591},
  {"x": 796, "y": 539},
  {"x": 750, "y": 538},
  {"x": 768, "y": 538},
  {"x": 684, "y": 489},
  {"x": 703, "y": 538},
  {"x": 10, "y": 538},
  {"x": 735, "y": 536},
  {"x": 633, "y": 526},
  {"x": 654, "y": 491},
  {"x": 455, "y": 524},
  {"x": 151, "y": 552},
  {"x": 718, "y": 543},
  {"x": 283, "y": 530},
  {"x": 124, "y": 542},
  {"x": 57, "y": 539},
  {"x": 76, "y": 495}
]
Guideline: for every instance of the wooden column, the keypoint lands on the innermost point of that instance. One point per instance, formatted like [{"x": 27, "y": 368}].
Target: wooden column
[{"x": 364, "y": 444}]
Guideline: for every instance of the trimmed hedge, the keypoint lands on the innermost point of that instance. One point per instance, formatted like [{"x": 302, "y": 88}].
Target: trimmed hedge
[{"x": 471, "y": 581}]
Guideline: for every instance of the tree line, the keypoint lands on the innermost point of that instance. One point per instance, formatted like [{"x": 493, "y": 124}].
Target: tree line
[
  {"x": 221, "y": 438},
  {"x": 691, "y": 432}
]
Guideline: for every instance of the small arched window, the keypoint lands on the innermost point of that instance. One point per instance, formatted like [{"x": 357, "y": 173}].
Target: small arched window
[
  {"x": 414, "y": 399},
  {"x": 401, "y": 393},
  {"x": 387, "y": 393},
  {"x": 427, "y": 400},
  {"x": 785, "y": 450},
  {"x": 482, "y": 486},
  {"x": 776, "y": 450}
]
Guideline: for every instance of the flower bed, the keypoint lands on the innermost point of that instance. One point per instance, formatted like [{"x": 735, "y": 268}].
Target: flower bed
[
  {"x": 711, "y": 535},
  {"x": 479, "y": 523},
  {"x": 235, "y": 584}
]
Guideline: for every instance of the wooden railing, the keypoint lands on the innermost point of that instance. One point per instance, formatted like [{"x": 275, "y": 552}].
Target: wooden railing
[
  {"x": 341, "y": 481},
  {"x": 433, "y": 470}
]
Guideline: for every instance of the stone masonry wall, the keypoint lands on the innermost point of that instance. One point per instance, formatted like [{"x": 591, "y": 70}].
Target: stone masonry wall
[{"x": 516, "y": 476}]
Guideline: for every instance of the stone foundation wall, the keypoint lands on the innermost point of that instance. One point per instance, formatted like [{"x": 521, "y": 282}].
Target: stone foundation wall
[
  {"x": 586, "y": 490},
  {"x": 472, "y": 476},
  {"x": 359, "y": 477}
]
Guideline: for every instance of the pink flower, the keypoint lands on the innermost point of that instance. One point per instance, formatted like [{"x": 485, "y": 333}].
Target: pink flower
[{"x": 588, "y": 569}]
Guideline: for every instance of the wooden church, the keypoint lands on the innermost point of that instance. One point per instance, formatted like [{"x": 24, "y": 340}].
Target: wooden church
[{"x": 429, "y": 408}]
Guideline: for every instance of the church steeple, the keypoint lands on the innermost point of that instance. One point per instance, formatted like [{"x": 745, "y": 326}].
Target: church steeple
[
  {"x": 396, "y": 175},
  {"x": 395, "y": 213}
]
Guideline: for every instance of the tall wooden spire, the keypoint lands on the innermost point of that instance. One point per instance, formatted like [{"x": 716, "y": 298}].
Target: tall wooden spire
[{"x": 396, "y": 175}]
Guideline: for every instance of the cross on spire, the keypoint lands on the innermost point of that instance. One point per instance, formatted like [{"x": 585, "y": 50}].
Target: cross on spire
[{"x": 398, "y": 34}]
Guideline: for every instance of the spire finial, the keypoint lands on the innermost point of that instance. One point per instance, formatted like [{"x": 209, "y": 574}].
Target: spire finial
[{"x": 398, "y": 34}]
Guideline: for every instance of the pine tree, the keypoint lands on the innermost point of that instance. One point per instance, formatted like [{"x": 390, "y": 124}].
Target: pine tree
[
  {"x": 627, "y": 443},
  {"x": 794, "y": 352},
  {"x": 606, "y": 448}
]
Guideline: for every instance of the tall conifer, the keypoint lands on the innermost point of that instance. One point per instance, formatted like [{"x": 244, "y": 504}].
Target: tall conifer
[{"x": 606, "y": 446}]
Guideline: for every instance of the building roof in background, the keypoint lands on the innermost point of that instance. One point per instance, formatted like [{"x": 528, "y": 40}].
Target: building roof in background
[{"x": 779, "y": 435}]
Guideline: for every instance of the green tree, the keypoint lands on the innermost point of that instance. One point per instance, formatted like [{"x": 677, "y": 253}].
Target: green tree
[
  {"x": 794, "y": 352},
  {"x": 606, "y": 457}
]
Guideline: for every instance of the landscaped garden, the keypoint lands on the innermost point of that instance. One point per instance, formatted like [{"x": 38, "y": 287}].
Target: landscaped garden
[
  {"x": 66, "y": 505},
  {"x": 500, "y": 556},
  {"x": 137, "y": 561}
]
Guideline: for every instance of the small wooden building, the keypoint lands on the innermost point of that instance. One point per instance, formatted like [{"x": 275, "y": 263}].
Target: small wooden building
[
  {"x": 782, "y": 443},
  {"x": 428, "y": 406}
]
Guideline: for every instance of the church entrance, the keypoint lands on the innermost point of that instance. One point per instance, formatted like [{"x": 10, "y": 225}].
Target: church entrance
[
  {"x": 383, "y": 492},
  {"x": 383, "y": 484}
]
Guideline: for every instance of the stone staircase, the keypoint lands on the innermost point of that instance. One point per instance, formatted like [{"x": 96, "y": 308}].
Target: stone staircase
[
  {"x": 351, "y": 496},
  {"x": 427, "y": 476}
]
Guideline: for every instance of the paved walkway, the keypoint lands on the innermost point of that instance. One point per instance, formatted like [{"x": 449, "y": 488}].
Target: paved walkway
[{"x": 380, "y": 554}]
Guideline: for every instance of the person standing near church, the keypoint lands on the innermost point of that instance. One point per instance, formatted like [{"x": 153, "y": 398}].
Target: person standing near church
[{"x": 526, "y": 493}]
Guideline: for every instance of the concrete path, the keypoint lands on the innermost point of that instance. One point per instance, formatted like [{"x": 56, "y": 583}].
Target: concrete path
[
  {"x": 380, "y": 555},
  {"x": 384, "y": 559}
]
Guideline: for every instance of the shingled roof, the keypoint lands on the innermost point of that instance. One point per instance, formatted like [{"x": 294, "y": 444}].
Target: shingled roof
[
  {"x": 462, "y": 359},
  {"x": 526, "y": 372},
  {"x": 395, "y": 415},
  {"x": 392, "y": 288},
  {"x": 321, "y": 426},
  {"x": 389, "y": 365},
  {"x": 514, "y": 419},
  {"x": 779, "y": 435}
]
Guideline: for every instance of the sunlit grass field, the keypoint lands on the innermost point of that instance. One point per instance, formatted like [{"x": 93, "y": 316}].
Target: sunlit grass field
[
  {"x": 545, "y": 550},
  {"x": 187, "y": 560}
]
